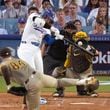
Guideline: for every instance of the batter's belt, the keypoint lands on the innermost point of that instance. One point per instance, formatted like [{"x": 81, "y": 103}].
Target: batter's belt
[{"x": 33, "y": 43}]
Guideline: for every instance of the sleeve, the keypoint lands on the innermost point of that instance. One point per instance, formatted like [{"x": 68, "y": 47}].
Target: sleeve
[
  {"x": 49, "y": 39},
  {"x": 6, "y": 75}
]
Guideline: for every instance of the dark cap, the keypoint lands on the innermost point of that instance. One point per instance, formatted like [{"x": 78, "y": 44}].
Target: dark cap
[
  {"x": 70, "y": 25},
  {"x": 21, "y": 20},
  {"x": 48, "y": 14},
  {"x": 5, "y": 52},
  {"x": 103, "y": 0},
  {"x": 7, "y": 0},
  {"x": 45, "y": 1}
]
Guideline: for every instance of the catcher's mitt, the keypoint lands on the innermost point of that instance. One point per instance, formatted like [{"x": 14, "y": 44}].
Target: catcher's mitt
[
  {"x": 93, "y": 85},
  {"x": 89, "y": 88},
  {"x": 18, "y": 91}
]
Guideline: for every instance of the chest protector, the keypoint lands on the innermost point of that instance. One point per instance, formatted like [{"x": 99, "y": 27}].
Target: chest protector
[{"x": 79, "y": 60}]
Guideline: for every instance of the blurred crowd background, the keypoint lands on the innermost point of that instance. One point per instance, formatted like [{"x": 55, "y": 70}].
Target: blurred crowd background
[{"x": 91, "y": 16}]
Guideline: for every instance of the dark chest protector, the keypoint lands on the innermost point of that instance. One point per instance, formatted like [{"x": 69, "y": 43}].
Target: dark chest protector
[
  {"x": 58, "y": 50},
  {"x": 79, "y": 61}
]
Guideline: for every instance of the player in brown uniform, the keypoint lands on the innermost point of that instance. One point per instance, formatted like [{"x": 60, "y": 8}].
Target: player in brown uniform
[
  {"x": 18, "y": 71},
  {"x": 79, "y": 64}
]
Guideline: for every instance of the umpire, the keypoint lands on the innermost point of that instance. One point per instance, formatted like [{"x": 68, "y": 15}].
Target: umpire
[{"x": 56, "y": 53}]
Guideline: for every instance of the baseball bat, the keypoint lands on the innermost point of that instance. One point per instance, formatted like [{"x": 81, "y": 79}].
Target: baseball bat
[
  {"x": 55, "y": 32},
  {"x": 104, "y": 82},
  {"x": 83, "y": 49}
]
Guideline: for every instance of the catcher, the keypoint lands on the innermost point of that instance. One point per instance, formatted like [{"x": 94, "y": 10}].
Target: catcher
[
  {"x": 79, "y": 64},
  {"x": 18, "y": 71}
]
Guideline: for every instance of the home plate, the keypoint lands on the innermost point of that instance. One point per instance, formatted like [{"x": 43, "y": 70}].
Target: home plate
[{"x": 81, "y": 103}]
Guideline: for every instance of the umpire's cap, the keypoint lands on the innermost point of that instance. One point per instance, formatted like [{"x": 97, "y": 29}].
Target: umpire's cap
[
  {"x": 70, "y": 25},
  {"x": 5, "y": 52}
]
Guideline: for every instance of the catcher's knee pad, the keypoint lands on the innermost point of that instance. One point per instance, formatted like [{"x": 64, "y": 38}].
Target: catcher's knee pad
[{"x": 81, "y": 90}]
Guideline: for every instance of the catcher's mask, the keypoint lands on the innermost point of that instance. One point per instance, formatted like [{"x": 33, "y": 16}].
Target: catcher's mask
[
  {"x": 5, "y": 52},
  {"x": 81, "y": 35},
  {"x": 83, "y": 41}
]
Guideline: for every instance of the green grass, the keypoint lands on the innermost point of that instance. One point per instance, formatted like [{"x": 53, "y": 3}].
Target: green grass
[
  {"x": 105, "y": 88},
  {"x": 2, "y": 85}
]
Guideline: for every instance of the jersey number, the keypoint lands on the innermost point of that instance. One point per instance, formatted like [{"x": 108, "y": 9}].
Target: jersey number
[{"x": 17, "y": 65}]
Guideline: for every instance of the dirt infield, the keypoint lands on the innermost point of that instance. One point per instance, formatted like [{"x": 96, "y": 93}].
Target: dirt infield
[{"x": 69, "y": 102}]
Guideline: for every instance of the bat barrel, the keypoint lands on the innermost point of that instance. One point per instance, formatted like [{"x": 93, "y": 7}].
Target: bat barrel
[{"x": 83, "y": 49}]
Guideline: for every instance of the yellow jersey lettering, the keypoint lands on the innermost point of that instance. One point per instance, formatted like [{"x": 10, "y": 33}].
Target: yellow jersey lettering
[{"x": 17, "y": 65}]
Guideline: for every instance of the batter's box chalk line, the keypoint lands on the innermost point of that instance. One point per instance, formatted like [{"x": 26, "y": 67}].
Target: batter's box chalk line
[
  {"x": 8, "y": 105},
  {"x": 82, "y": 103},
  {"x": 104, "y": 82}
]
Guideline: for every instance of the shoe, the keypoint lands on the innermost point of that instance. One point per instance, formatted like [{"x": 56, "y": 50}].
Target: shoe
[
  {"x": 93, "y": 94},
  {"x": 43, "y": 101},
  {"x": 58, "y": 94}
]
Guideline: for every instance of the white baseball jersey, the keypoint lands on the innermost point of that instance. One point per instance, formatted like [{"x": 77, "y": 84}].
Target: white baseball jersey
[{"x": 29, "y": 49}]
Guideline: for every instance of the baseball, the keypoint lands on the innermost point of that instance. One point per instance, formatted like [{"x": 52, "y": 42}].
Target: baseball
[{"x": 80, "y": 43}]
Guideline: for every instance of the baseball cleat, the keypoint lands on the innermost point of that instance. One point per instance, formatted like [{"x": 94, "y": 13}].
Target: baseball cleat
[
  {"x": 43, "y": 101},
  {"x": 94, "y": 95},
  {"x": 58, "y": 94},
  {"x": 89, "y": 94}
]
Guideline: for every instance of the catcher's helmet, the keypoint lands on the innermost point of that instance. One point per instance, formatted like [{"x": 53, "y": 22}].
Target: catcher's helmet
[
  {"x": 5, "y": 52},
  {"x": 81, "y": 35}
]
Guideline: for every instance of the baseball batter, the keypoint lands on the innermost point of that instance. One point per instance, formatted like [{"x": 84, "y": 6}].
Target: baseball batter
[
  {"x": 18, "y": 71},
  {"x": 29, "y": 49}
]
